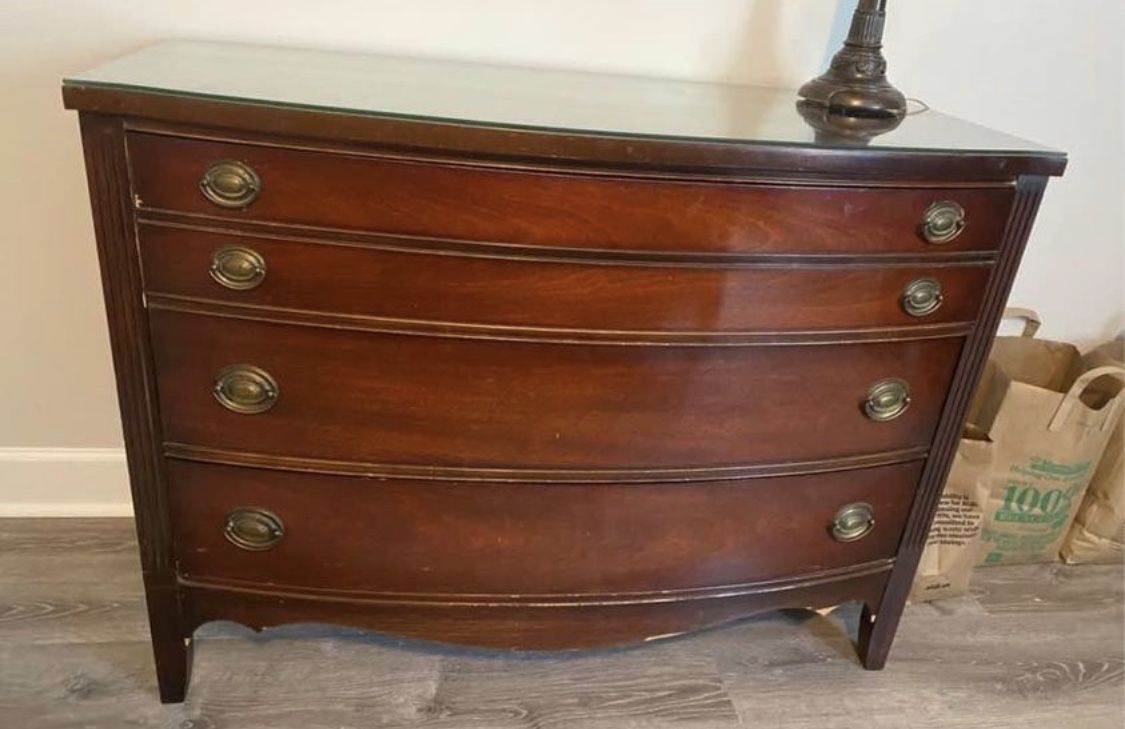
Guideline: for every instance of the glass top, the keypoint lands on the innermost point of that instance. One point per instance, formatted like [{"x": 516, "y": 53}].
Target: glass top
[{"x": 502, "y": 96}]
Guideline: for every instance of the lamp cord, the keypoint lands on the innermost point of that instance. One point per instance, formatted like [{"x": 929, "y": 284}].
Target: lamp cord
[{"x": 923, "y": 106}]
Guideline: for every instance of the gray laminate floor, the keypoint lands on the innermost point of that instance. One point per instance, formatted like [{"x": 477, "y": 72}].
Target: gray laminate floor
[{"x": 1038, "y": 646}]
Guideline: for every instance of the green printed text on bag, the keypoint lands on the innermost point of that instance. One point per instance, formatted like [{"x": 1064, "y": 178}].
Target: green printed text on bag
[{"x": 1049, "y": 426}]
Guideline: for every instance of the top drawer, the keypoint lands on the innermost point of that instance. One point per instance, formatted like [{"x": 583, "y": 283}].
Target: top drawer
[{"x": 580, "y": 211}]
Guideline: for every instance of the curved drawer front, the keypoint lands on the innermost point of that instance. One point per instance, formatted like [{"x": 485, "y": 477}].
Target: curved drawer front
[
  {"x": 394, "y": 398},
  {"x": 553, "y": 209},
  {"x": 421, "y": 537},
  {"x": 543, "y": 293}
]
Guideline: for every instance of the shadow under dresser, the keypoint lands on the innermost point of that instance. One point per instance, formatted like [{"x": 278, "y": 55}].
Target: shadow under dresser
[{"x": 531, "y": 359}]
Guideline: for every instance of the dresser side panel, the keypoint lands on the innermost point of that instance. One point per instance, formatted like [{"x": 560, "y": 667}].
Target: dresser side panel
[
  {"x": 108, "y": 178},
  {"x": 878, "y": 625}
]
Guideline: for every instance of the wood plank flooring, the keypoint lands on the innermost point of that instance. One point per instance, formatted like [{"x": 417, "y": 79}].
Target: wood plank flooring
[{"x": 1034, "y": 647}]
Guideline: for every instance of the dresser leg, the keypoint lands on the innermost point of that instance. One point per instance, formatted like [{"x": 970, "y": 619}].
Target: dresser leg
[
  {"x": 872, "y": 652},
  {"x": 171, "y": 641},
  {"x": 877, "y": 627},
  {"x": 173, "y": 667}
]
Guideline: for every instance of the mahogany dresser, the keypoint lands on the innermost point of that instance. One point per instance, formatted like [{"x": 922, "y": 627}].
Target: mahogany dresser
[{"x": 531, "y": 359}]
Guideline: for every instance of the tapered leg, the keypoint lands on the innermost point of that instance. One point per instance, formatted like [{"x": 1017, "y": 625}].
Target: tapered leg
[
  {"x": 171, "y": 642},
  {"x": 871, "y": 646},
  {"x": 173, "y": 668},
  {"x": 877, "y": 626}
]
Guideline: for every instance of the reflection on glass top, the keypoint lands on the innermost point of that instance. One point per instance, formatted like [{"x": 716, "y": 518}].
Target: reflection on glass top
[{"x": 504, "y": 96}]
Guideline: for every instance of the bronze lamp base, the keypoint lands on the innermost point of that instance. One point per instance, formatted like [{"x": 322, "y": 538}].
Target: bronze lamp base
[{"x": 855, "y": 84}]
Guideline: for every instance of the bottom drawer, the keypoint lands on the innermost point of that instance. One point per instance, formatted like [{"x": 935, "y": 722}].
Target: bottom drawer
[{"x": 406, "y": 537}]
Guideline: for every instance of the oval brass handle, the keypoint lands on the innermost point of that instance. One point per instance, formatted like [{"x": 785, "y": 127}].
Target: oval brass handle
[
  {"x": 887, "y": 399},
  {"x": 253, "y": 529},
  {"x": 922, "y": 297},
  {"x": 943, "y": 221},
  {"x": 230, "y": 184},
  {"x": 853, "y": 522},
  {"x": 245, "y": 389},
  {"x": 238, "y": 268}
]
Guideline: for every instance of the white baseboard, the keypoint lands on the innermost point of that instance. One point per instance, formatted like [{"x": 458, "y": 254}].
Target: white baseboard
[{"x": 64, "y": 482}]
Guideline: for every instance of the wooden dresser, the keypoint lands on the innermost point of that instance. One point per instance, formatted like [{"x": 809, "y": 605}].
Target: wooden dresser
[{"x": 531, "y": 359}]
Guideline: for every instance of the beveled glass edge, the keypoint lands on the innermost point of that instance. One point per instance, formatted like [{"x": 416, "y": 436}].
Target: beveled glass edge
[{"x": 1034, "y": 149}]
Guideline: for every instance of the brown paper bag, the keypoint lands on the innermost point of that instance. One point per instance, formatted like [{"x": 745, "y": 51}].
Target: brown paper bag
[
  {"x": 954, "y": 542},
  {"x": 1098, "y": 533},
  {"x": 1049, "y": 425}
]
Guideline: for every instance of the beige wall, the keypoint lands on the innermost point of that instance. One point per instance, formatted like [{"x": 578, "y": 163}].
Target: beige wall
[{"x": 1047, "y": 70}]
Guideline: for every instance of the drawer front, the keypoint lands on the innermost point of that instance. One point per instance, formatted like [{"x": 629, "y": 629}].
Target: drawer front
[
  {"x": 432, "y": 537},
  {"x": 519, "y": 292},
  {"x": 551, "y": 209},
  {"x": 392, "y": 398}
]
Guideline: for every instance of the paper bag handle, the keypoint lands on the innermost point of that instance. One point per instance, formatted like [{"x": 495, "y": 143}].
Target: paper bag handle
[
  {"x": 1079, "y": 387},
  {"x": 1031, "y": 319}
]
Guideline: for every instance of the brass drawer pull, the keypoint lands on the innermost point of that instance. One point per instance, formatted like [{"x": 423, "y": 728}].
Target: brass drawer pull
[
  {"x": 943, "y": 221},
  {"x": 853, "y": 522},
  {"x": 230, "y": 184},
  {"x": 238, "y": 268},
  {"x": 253, "y": 529},
  {"x": 922, "y": 297},
  {"x": 245, "y": 389},
  {"x": 887, "y": 399}
]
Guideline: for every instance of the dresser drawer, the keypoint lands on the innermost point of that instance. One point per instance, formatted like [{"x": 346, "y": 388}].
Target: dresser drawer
[
  {"x": 359, "y": 280},
  {"x": 511, "y": 206},
  {"x": 393, "y": 398},
  {"x": 434, "y": 537}
]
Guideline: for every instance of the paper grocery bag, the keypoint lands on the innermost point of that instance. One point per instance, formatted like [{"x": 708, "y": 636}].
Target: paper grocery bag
[
  {"x": 1098, "y": 533},
  {"x": 1049, "y": 425},
  {"x": 952, "y": 547}
]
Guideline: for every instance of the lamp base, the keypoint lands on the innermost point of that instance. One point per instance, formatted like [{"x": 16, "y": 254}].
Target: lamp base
[
  {"x": 854, "y": 97},
  {"x": 846, "y": 129},
  {"x": 855, "y": 84}
]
